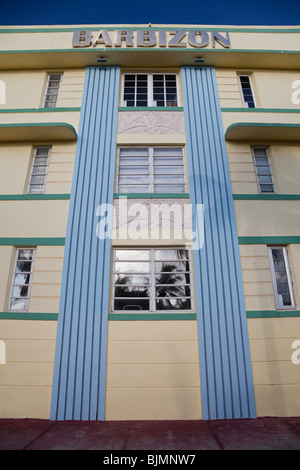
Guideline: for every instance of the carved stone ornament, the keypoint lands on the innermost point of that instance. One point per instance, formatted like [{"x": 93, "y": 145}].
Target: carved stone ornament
[{"x": 151, "y": 122}]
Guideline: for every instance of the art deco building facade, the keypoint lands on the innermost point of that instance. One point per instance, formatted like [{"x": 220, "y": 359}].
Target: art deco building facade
[{"x": 150, "y": 234}]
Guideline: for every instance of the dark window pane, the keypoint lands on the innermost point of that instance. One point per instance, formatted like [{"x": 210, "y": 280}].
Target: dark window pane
[
  {"x": 173, "y": 304},
  {"x": 131, "y": 304}
]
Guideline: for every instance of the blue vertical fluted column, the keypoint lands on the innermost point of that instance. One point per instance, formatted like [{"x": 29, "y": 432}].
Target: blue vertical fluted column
[
  {"x": 224, "y": 354},
  {"x": 79, "y": 380}
]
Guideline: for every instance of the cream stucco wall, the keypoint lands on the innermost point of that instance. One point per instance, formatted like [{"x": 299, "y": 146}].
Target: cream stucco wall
[
  {"x": 26, "y": 375},
  {"x": 15, "y": 167},
  {"x": 26, "y": 88},
  {"x": 153, "y": 370},
  {"x": 276, "y": 378}
]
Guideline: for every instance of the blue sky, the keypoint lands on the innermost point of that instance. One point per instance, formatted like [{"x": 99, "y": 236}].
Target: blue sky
[{"x": 213, "y": 12}]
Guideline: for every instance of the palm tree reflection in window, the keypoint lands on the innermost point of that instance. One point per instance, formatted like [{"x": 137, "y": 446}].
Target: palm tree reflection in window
[
  {"x": 139, "y": 295},
  {"x": 168, "y": 288}
]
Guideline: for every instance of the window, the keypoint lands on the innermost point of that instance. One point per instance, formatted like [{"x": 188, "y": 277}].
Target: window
[
  {"x": 247, "y": 91},
  {"x": 39, "y": 170},
  {"x": 263, "y": 170},
  {"x": 150, "y": 90},
  {"x": 151, "y": 170},
  {"x": 281, "y": 276},
  {"x": 52, "y": 91},
  {"x": 152, "y": 280},
  {"x": 20, "y": 291}
]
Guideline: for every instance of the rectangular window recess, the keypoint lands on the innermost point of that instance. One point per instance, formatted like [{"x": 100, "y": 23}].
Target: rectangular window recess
[
  {"x": 22, "y": 278},
  {"x": 39, "y": 170},
  {"x": 263, "y": 170},
  {"x": 281, "y": 277},
  {"x": 146, "y": 170},
  {"x": 150, "y": 90},
  {"x": 154, "y": 280},
  {"x": 247, "y": 91},
  {"x": 52, "y": 90}
]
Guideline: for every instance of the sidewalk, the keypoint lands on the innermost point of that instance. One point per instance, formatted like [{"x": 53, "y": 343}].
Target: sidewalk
[{"x": 246, "y": 434}]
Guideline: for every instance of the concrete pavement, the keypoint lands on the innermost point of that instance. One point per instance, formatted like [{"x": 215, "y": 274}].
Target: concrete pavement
[{"x": 245, "y": 434}]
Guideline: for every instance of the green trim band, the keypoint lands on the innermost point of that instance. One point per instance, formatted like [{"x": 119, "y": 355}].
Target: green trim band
[
  {"x": 39, "y": 110},
  {"x": 281, "y": 240},
  {"x": 150, "y": 108},
  {"x": 152, "y": 195},
  {"x": 267, "y": 197},
  {"x": 150, "y": 49},
  {"x": 16, "y": 241},
  {"x": 146, "y": 316},
  {"x": 39, "y": 197},
  {"x": 151, "y": 316},
  {"x": 273, "y": 313},
  {"x": 155, "y": 28},
  {"x": 259, "y": 110},
  {"x": 28, "y": 316},
  {"x": 41, "y": 124}
]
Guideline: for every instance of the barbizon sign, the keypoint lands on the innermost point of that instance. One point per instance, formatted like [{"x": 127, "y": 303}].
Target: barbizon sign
[{"x": 149, "y": 38}]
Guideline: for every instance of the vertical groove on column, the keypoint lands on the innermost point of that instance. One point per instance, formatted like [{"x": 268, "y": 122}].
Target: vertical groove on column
[
  {"x": 224, "y": 355},
  {"x": 78, "y": 390}
]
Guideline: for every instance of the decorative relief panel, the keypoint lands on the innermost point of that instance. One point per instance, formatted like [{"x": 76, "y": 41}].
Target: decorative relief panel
[
  {"x": 151, "y": 122},
  {"x": 152, "y": 220}
]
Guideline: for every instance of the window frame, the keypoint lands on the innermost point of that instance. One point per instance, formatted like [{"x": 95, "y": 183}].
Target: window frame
[
  {"x": 47, "y": 88},
  {"x": 151, "y": 167},
  {"x": 245, "y": 103},
  {"x": 288, "y": 275},
  {"x": 150, "y": 89},
  {"x": 152, "y": 284},
  {"x": 269, "y": 165},
  {"x": 13, "y": 284},
  {"x": 33, "y": 165}
]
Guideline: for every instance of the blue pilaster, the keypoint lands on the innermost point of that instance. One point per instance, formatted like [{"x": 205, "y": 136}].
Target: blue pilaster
[
  {"x": 79, "y": 381},
  {"x": 224, "y": 355}
]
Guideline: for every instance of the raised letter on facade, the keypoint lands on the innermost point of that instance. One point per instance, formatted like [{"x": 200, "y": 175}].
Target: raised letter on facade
[
  {"x": 82, "y": 38},
  {"x": 123, "y": 35}
]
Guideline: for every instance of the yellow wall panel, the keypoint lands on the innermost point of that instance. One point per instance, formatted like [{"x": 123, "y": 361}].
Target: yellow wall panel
[
  {"x": 7, "y": 255},
  {"x": 153, "y": 404},
  {"x": 276, "y": 378},
  {"x": 275, "y": 400},
  {"x": 26, "y": 377},
  {"x": 15, "y": 161},
  {"x": 153, "y": 367},
  {"x": 267, "y": 218},
  {"x": 153, "y": 375},
  {"x": 33, "y": 218},
  {"x": 25, "y": 402}
]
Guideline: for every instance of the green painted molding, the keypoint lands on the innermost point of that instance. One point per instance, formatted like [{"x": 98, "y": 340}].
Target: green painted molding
[
  {"x": 260, "y": 110},
  {"x": 267, "y": 197},
  {"x": 40, "y": 110},
  {"x": 40, "y": 124},
  {"x": 18, "y": 241},
  {"x": 231, "y": 29},
  {"x": 150, "y": 49},
  {"x": 151, "y": 316},
  {"x": 152, "y": 195},
  {"x": 28, "y": 316},
  {"x": 150, "y": 108},
  {"x": 277, "y": 240},
  {"x": 261, "y": 124},
  {"x": 272, "y": 313},
  {"x": 34, "y": 197}
]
